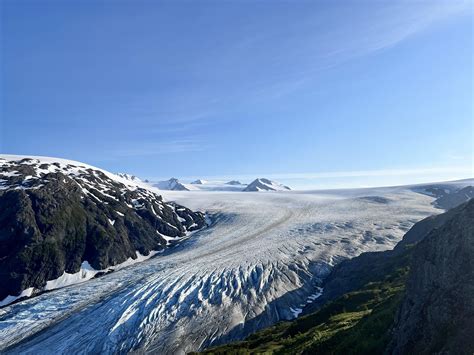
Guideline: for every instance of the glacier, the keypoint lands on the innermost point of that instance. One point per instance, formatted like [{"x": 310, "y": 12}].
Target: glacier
[{"x": 261, "y": 259}]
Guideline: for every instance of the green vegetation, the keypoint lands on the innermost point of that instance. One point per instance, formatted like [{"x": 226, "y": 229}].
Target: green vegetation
[{"x": 355, "y": 323}]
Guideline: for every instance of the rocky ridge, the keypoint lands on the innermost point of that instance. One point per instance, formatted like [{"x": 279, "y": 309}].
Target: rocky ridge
[{"x": 61, "y": 218}]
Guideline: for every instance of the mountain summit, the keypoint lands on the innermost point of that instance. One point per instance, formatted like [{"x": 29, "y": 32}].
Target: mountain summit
[
  {"x": 234, "y": 182},
  {"x": 199, "y": 182},
  {"x": 262, "y": 184},
  {"x": 171, "y": 184}
]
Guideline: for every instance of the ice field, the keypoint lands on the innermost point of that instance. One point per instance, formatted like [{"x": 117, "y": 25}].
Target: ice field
[{"x": 260, "y": 261}]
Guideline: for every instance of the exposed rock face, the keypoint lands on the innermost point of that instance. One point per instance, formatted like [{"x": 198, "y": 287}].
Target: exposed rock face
[
  {"x": 56, "y": 215},
  {"x": 448, "y": 195},
  {"x": 437, "y": 313},
  {"x": 454, "y": 199}
]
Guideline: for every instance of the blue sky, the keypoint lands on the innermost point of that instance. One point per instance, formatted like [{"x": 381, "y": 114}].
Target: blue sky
[{"x": 314, "y": 93}]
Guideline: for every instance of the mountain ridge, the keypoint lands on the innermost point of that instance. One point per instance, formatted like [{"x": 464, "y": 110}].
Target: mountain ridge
[{"x": 57, "y": 214}]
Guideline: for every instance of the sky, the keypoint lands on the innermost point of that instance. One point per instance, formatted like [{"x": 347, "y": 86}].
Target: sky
[{"x": 312, "y": 93}]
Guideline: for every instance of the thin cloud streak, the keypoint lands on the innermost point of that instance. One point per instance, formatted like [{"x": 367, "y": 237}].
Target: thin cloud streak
[
  {"x": 375, "y": 173},
  {"x": 157, "y": 148},
  {"x": 268, "y": 77},
  {"x": 343, "y": 45}
]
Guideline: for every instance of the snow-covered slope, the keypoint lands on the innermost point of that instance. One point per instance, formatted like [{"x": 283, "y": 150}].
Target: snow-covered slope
[
  {"x": 54, "y": 164},
  {"x": 63, "y": 222},
  {"x": 260, "y": 260},
  {"x": 129, "y": 177},
  {"x": 262, "y": 184}
]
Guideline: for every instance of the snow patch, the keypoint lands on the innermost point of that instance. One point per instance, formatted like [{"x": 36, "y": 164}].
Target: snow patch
[
  {"x": 296, "y": 311},
  {"x": 10, "y": 173},
  {"x": 9, "y": 299},
  {"x": 85, "y": 273}
]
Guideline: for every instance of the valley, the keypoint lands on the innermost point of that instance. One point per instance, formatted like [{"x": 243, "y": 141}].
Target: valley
[{"x": 262, "y": 258}]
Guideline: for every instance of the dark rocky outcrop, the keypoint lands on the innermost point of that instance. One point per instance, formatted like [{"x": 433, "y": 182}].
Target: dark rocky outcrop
[
  {"x": 54, "y": 216},
  {"x": 448, "y": 195},
  {"x": 437, "y": 313},
  {"x": 455, "y": 198}
]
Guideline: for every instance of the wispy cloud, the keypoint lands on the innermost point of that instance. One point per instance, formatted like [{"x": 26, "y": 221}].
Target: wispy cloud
[
  {"x": 239, "y": 73},
  {"x": 133, "y": 149},
  {"x": 265, "y": 64},
  {"x": 348, "y": 174},
  {"x": 376, "y": 173},
  {"x": 313, "y": 52}
]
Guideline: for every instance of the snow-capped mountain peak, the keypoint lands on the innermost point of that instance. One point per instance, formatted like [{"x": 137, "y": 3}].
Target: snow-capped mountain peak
[
  {"x": 233, "y": 182},
  {"x": 171, "y": 184},
  {"x": 262, "y": 184},
  {"x": 199, "y": 182}
]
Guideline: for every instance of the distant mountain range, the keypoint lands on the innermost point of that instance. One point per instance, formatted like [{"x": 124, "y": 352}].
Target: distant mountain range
[
  {"x": 62, "y": 222},
  {"x": 260, "y": 184}
]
